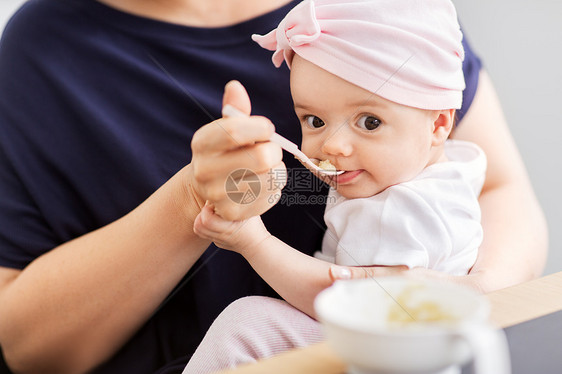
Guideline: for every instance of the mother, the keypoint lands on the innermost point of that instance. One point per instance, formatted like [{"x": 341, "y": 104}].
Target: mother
[{"x": 99, "y": 101}]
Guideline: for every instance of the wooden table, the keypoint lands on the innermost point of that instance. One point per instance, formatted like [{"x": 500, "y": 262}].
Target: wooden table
[{"x": 510, "y": 306}]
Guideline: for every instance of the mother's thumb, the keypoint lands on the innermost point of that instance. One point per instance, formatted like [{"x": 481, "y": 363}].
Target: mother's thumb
[{"x": 235, "y": 94}]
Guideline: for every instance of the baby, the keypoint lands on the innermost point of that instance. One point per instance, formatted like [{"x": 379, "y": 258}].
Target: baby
[{"x": 375, "y": 84}]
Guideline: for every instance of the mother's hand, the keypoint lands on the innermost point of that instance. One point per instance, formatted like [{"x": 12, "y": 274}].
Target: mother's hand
[
  {"x": 337, "y": 272},
  {"x": 234, "y": 166}
]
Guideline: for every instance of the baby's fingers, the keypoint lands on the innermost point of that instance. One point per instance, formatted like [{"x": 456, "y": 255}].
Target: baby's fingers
[
  {"x": 199, "y": 227},
  {"x": 209, "y": 225}
]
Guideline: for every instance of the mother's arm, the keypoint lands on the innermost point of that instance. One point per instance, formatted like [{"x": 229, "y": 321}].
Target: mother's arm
[
  {"x": 515, "y": 233},
  {"x": 74, "y": 307}
]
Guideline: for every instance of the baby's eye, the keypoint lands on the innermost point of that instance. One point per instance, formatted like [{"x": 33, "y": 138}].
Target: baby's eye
[
  {"x": 369, "y": 122},
  {"x": 314, "y": 122}
]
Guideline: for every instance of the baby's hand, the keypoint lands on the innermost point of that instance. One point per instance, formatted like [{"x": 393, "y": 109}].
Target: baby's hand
[{"x": 238, "y": 236}]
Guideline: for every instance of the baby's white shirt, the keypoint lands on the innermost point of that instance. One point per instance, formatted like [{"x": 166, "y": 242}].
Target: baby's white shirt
[{"x": 431, "y": 221}]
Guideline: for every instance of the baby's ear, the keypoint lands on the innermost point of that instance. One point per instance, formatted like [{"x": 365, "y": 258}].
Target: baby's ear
[{"x": 442, "y": 125}]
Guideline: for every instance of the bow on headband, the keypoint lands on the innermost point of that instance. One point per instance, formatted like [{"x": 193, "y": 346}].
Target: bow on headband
[{"x": 300, "y": 27}]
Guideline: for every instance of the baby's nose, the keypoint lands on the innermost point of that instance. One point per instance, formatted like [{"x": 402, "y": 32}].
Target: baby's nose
[{"x": 338, "y": 143}]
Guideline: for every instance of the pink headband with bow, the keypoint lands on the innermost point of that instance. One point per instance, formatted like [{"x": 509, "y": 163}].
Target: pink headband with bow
[{"x": 406, "y": 51}]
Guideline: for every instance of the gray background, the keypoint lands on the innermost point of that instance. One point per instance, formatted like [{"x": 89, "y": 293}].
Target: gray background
[{"x": 520, "y": 42}]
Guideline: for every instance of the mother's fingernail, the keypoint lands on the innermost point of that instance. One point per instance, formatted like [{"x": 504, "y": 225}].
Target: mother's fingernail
[{"x": 340, "y": 272}]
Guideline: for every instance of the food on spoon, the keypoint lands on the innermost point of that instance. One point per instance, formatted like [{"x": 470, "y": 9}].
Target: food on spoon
[{"x": 326, "y": 165}]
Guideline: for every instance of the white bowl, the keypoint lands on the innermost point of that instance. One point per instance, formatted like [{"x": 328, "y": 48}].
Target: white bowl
[{"x": 354, "y": 315}]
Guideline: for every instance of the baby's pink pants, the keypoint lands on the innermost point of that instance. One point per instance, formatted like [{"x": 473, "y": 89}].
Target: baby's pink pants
[{"x": 251, "y": 328}]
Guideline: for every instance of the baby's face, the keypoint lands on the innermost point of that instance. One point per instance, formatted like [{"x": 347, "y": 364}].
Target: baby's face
[{"x": 377, "y": 142}]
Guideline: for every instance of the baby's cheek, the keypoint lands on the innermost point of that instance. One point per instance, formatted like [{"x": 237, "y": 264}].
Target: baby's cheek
[{"x": 308, "y": 146}]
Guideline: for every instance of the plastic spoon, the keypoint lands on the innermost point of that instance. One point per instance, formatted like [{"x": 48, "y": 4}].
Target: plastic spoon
[{"x": 286, "y": 144}]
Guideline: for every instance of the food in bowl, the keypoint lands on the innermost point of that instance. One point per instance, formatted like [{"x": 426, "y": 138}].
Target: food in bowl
[{"x": 407, "y": 310}]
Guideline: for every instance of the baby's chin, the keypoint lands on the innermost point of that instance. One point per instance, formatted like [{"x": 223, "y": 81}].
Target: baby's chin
[{"x": 358, "y": 192}]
